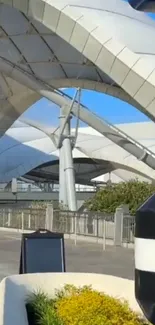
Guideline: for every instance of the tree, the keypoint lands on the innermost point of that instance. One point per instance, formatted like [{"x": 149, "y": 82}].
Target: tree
[{"x": 133, "y": 193}]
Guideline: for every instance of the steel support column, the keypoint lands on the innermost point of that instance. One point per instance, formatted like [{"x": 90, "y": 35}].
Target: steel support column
[
  {"x": 62, "y": 180},
  {"x": 67, "y": 158},
  {"x": 69, "y": 173}
]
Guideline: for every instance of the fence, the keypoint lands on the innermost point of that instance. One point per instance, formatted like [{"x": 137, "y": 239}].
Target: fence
[
  {"x": 116, "y": 228},
  {"x": 45, "y": 187},
  {"x": 24, "y": 218},
  {"x": 86, "y": 224},
  {"x": 128, "y": 229}
]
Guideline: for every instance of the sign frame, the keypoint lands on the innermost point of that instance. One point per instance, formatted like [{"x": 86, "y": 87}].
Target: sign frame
[{"x": 40, "y": 234}]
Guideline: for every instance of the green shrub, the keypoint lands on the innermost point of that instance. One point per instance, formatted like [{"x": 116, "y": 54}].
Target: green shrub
[
  {"x": 81, "y": 306},
  {"x": 41, "y": 310},
  {"x": 133, "y": 193}
]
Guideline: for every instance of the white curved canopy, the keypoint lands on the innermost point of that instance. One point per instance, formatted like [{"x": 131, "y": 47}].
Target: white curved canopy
[
  {"x": 23, "y": 148},
  {"x": 75, "y": 43}
]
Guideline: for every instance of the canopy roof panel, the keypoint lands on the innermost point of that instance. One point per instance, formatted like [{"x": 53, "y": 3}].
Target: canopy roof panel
[
  {"x": 24, "y": 149},
  {"x": 34, "y": 48},
  {"x": 85, "y": 170},
  {"x": 75, "y": 43}
]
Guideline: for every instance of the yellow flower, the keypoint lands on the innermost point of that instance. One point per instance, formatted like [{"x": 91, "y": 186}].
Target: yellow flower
[{"x": 88, "y": 307}]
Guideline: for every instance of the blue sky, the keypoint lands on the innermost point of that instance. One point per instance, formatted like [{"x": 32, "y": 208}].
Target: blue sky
[{"x": 112, "y": 109}]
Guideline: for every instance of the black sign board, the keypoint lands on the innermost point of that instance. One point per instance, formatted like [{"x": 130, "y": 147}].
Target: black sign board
[{"x": 42, "y": 251}]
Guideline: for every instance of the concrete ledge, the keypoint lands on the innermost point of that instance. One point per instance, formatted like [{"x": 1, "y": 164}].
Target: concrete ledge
[{"x": 14, "y": 291}]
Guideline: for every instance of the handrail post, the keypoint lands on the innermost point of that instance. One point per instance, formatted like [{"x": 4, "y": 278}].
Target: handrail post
[
  {"x": 29, "y": 221},
  {"x": 9, "y": 218},
  {"x": 104, "y": 234},
  {"x": 22, "y": 217}
]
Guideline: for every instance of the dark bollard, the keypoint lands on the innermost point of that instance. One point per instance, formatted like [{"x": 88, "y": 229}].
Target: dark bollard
[
  {"x": 143, "y": 5},
  {"x": 145, "y": 258}
]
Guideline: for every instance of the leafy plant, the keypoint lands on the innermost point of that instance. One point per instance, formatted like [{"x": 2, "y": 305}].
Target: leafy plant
[
  {"x": 86, "y": 306},
  {"x": 132, "y": 193},
  {"x": 80, "y": 306},
  {"x": 41, "y": 310}
]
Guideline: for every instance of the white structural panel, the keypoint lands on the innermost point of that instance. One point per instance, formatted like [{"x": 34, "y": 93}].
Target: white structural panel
[
  {"x": 15, "y": 289},
  {"x": 24, "y": 148},
  {"x": 77, "y": 43}
]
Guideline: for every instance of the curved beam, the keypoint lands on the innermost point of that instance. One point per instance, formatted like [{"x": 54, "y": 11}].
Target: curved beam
[
  {"x": 13, "y": 104},
  {"x": 25, "y": 98},
  {"x": 40, "y": 127},
  {"x": 18, "y": 103},
  {"x": 116, "y": 165},
  {"x": 112, "y": 57},
  {"x": 130, "y": 168},
  {"x": 101, "y": 87},
  {"x": 84, "y": 114},
  {"x": 94, "y": 39}
]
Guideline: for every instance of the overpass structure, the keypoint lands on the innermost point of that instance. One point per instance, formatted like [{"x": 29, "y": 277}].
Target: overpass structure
[
  {"x": 49, "y": 44},
  {"x": 28, "y": 197}
]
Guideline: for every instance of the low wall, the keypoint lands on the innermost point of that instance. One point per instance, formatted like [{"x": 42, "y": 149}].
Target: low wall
[
  {"x": 14, "y": 291},
  {"x": 87, "y": 239}
]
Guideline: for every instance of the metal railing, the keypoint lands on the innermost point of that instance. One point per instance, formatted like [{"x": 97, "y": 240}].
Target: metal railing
[
  {"x": 128, "y": 229},
  {"x": 89, "y": 224},
  {"x": 85, "y": 224},
  {"x": 25, "y": 187},
  {"x": 24, "y": 219}
]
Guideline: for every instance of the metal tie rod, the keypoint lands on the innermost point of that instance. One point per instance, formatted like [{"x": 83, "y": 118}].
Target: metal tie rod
[
  {"x": 87, "y": 116},
  {"x": 130, "y": 138},
  {"x": 115, "y": 128}
]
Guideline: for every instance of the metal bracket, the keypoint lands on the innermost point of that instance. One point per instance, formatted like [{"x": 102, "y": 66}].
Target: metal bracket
[
  {"x": 62, "y": 137},
  {"x": 143, "y": 156},
  {"x": 66, "y": 110}
]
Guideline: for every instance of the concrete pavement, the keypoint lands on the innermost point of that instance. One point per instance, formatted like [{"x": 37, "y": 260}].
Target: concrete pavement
[{"x": 85, "y": 257}]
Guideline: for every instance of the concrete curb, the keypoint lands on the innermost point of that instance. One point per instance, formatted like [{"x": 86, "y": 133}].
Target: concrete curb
[{"x": 75, "y": 238}]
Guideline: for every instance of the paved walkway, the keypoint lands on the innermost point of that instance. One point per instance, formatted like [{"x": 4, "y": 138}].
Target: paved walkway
[{"x": 85, "y": 257}]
